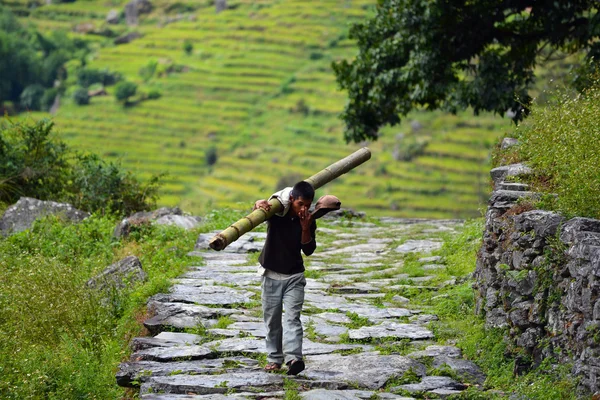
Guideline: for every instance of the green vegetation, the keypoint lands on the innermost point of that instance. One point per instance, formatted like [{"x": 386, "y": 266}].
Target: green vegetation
[
  {"x": 561, "y": 142},
  {"x": 58, "y": 340},
  {"x": 454, "y": 306},
  {"x": 439, "y": 55},
  {"x": 37, "y": 164},
  {"x": 31, "y": 63},
  {"x": 259, "y": 89}
]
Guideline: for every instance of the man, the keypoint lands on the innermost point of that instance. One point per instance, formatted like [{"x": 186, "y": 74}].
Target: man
[{"x": 282, "y": 268}]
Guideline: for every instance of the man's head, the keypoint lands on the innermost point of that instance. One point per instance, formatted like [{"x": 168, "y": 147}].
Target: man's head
[{"x": 301, "y": 197}]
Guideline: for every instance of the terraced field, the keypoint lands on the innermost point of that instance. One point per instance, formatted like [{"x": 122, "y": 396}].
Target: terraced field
[{"x": 258, "y": 88}]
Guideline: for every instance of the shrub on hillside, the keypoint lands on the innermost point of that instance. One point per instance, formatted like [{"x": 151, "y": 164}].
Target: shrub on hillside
[
  {"x": 188, "y": 47},
  {"x": 561, "y": 142},
  {"x": 211, "y": 156},
  {"x": 81, "y": 96},
  {"x": 31, "y": 97},
  {"x": 125, "y": 90},
  {"x": 89, "y": 76},
  {"x": 154, "y": 94},
  {"x": 34, "y": 163},
  {"x": 107, "y": 187}
]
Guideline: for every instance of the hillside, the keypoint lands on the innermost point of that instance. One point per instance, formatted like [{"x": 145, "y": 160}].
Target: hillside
[{"x": 258, "y": 89}]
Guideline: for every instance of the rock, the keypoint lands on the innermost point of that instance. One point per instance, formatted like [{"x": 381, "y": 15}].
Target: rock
[
  {"x": 432, "y": 259},
  {"x": 390, "y": 330},
  {"x": 161, "y": 216},
  {"x": 542, "y": 223},
  {"x": 21, "y": 215},
  {"x": 419, "y": 246},
  {"x": 207, "y": 295},
  {"x": 112, "y": 17},
  {"x": 134, "y": 8},
  {"x": 208, "y": 384},
  {"x": 175, "y": 353},
  {"x": 465, "y": 369},
  {"x": 97, "y": 92},
  {"x": 374, "y": 313},
  {"x": 429, "y": 383},
  {"x": 324, "y": 394},
  {"x": 84, "y": 27},
  {"x": 508, "y": 142},
  {"x": 119, "y": 275},
  {"x": 127, "y": 38},
  {"x": 436, "y": 351},
  {"x": 220, "y": 5},
  {"x": 500, "y": 173},
  {"x": 141, "y": 371},
  {"x": 366, "y": 370},
  {"x": 520, "y": 187},
  {"x": 182, "y": 221}
]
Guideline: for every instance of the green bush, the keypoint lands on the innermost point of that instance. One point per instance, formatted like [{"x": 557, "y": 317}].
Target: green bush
[
  {"x": 561, "y": 142},
  {"x": 125, "y": 90},
  {"x": 154, "y": 94},
  {"x": 89, "y": 76},
  {"x": 81, "y": 96},
  {"x": 31, "y": 97},
  {"x": 188, "y": 47},
  {"x": 211, "y": 156},
  {"x": 34, "y": 163},
  {"x": 107, "y": 187},
  {"x": 57, "y": 340}
]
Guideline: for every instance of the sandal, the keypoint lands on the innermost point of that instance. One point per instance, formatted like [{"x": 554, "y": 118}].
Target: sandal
[
  {"x": 272, "y": 367},
  {"x": 295, "y": 367}
]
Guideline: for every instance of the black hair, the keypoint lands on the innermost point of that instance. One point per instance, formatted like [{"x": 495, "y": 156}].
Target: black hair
[{"x": 303, "y": 189}]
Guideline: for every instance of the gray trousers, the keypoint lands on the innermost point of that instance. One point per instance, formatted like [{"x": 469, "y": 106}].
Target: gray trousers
[{"x": 284, "y": 343}]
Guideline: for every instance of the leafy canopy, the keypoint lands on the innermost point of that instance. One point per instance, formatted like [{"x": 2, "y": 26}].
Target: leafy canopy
[{"x": 450, "y": 55}]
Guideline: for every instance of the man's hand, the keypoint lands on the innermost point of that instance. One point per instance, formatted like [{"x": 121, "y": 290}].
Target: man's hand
[
  {"x": 262, "y": 204},
  {"x": 306, "y": 219}
]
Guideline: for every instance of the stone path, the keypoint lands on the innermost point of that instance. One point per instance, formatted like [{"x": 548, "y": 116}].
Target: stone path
[{"x": 364, "y": 339}]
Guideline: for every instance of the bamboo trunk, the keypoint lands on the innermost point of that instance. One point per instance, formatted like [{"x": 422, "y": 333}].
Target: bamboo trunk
[{"x": 257, "y": 217}]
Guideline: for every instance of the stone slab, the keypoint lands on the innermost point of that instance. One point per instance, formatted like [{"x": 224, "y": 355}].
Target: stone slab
[
  {"x": 142, "y": 370},
  {"x": 419, "y": 246},
  {"x": 366, "y": 370},
  {"x": 374, "y": 313},
  {"x": 211, "y": 295},
  {"x": 323, "y": 394},
  {"x": 208, "y": 384},
  {"x": 391, "y": 330}
]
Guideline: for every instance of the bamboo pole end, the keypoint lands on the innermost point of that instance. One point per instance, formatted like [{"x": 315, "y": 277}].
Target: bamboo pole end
[{"x": 218, "y": 243}]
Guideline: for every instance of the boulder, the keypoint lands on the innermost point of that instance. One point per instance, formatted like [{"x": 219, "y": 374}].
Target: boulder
[
  {"x": 97, "y": 92},
  {"x": 220, "y": 5},
  {"x": 21, "y": 215},
  {"x": 119, "y": 275},
  {"x": 112, "y": 17},
  {"x": 508, "y": 142},
  {"x": 161, "y": 216},
  {"x": 127, "y": 38},
  {"x": 84, "y": 27},
  {"x": 134, "y": 8},
  {"x": 500, "y": 173}
]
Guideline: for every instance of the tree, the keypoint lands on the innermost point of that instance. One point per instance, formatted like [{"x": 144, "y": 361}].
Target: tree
[
  {"x": 124, "y": 90},
  {"x": 450, "y": 55},
  {"x": 81, "y": 96}
]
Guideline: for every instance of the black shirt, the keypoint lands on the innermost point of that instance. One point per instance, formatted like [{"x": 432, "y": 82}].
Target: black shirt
[{"x": 281, "y": 252}]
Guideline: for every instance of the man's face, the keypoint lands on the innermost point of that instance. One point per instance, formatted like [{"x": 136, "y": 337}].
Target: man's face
[{"x": 299, "y": 205}]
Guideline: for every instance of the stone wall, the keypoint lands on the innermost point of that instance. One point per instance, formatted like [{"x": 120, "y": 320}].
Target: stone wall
[{"x": 538, "y": 275}]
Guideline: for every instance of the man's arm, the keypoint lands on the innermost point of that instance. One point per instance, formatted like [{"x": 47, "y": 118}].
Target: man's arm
[{"x": 309, "y": 230}]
